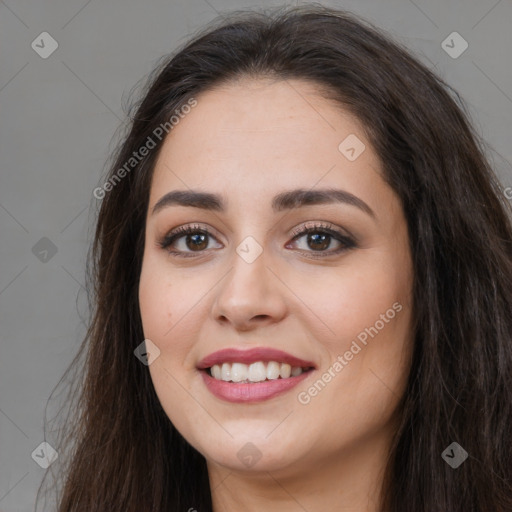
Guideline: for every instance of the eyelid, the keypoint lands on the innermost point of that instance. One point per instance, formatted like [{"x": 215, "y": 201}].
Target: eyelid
[
  {"x": 321, "y": 226},
  {"x": 180, "y": 231},
  {"x": 346, "y": 240}
]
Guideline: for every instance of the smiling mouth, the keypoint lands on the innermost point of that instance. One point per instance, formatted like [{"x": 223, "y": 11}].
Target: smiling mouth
[{"x": 258, "y": 371}]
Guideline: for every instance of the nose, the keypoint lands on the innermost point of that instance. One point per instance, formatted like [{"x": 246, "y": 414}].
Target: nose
[{"x": 251, "y": 295}]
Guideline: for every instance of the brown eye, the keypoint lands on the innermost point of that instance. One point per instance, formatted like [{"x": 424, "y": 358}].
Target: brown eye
[
  {"x": 318, "y": 239},
  {"x": 193, "y": 240},
  {"x": 196, "y": 241}
]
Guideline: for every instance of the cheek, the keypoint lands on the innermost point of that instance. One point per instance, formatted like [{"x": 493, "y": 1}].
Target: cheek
[
  {"x": 155, "y": 308},
  {"x": 166, "y": 301},
  {"x": 168, "y": 321},
  {"x": 172, "y": 309},
  {"x": 163, "y": 311},
  {"x": 368, "y": 313},
  {"x": 353, "y": 299}
]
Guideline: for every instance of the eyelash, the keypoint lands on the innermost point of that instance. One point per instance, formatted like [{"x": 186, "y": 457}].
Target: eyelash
[{"x": 348, "y": 242}]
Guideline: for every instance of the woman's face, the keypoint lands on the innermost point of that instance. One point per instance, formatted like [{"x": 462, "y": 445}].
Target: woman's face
[{"x": 275, "y": 159}]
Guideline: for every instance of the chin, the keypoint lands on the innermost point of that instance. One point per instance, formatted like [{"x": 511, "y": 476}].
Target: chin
[{"x": 251, "y": 453}]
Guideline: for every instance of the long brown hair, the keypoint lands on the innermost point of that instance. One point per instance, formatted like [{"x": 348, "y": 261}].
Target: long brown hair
[{"x": 122, "y": 453}]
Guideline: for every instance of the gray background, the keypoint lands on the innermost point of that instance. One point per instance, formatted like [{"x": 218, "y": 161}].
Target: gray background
[{"x": 58, "y": 119}]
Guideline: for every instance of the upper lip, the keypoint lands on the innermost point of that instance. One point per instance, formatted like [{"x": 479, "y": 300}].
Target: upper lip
[{"x": 234, "y": 355}]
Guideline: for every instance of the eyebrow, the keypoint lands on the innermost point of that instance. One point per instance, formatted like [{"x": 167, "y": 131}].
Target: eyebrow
[{"x": 283, "y": 201}]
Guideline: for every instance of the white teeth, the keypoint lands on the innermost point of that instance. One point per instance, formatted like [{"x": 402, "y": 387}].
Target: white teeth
[
  {"x": 286, "y": 369},
  {"x": 226, "y": 371},
  {"x": 296, "y": 371},
  {"x": 255, "y": 372},
  {"x": 272, "y": 370},
  {"x": 239, "y": 372},
  {"x": 217, "y": 372}
]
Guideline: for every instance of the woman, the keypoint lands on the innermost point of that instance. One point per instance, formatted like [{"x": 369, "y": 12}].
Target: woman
[{"x": 303, "y": 286}]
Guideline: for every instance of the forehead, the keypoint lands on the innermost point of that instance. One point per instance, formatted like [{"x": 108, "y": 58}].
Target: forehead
[{"x": 254, "y": 136}]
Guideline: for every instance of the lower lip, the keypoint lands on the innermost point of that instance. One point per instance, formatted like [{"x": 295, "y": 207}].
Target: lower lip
[{"x": 253, "y": 392}]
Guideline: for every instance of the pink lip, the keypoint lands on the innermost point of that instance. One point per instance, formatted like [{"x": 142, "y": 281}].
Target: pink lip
[
  {"x": 252, "y": 392},
  {"x": 255, "y": 391},
  {"x": 233, "y": 355}
]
